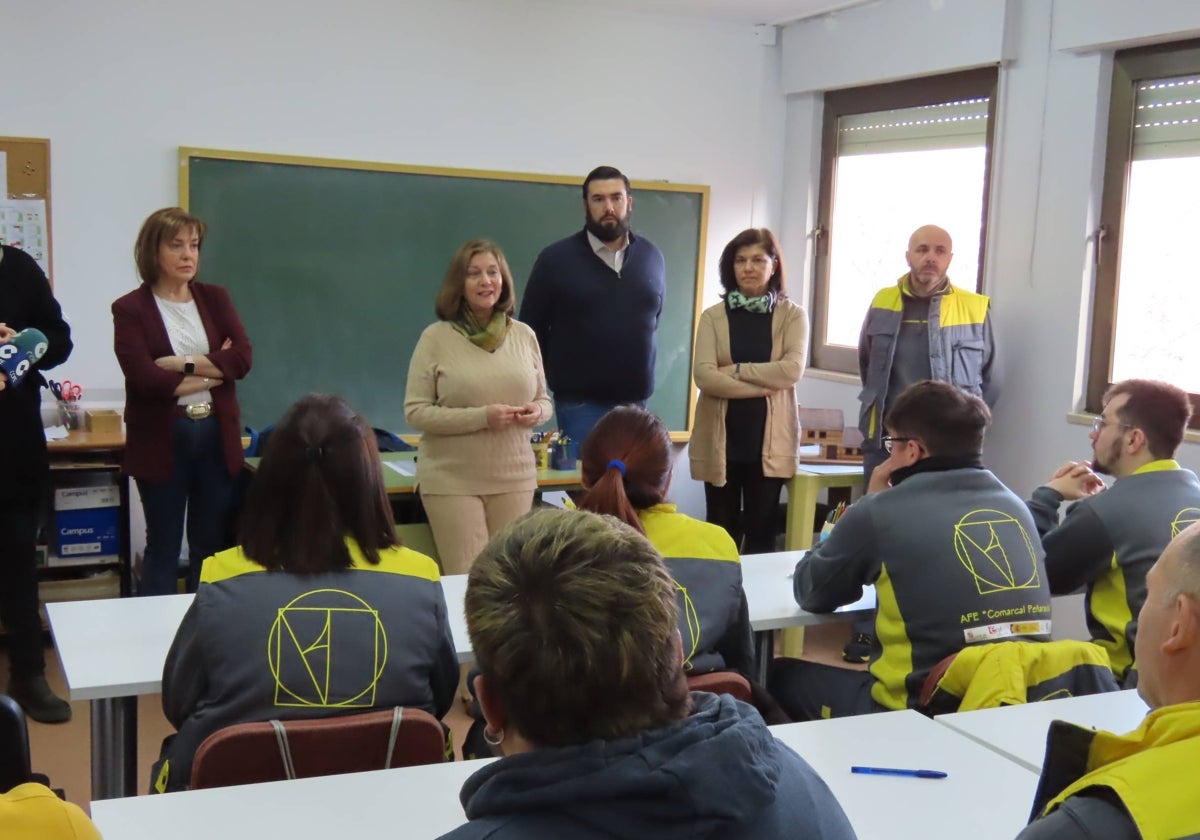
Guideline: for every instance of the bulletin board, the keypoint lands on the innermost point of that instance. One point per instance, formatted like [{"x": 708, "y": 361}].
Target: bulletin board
[{"x": 27, "y": 170}]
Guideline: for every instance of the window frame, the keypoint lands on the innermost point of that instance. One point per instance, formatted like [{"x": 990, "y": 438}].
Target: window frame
[
  {"x": 1129, "y": 67},
  {"x": 910, "y": 93}
]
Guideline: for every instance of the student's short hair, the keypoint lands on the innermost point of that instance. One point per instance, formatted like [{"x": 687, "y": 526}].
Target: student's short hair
[
  {"x": 640, "y": 441},
  {"x": 1159, "y": 409},
  {"x": 572, "y": 618},
  {"x": 320, "y": 481},
  {"x": 752, "y": 236},
  {"x": 604, "y": 173},
  {"x": 449, "y": 301},
  {"x": 160, "y": 226},
  {"x": 948, "y": 421}
]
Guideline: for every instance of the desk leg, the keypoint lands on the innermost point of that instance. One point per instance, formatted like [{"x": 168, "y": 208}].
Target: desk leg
[
  {"x": 114, "y": 747},
  {"x": 764, "y": 640},
  {"x": 801, "y": 511}
]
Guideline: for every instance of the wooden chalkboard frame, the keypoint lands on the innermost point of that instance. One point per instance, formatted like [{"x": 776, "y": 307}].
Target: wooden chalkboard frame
[{"x": 187, "y": 154}]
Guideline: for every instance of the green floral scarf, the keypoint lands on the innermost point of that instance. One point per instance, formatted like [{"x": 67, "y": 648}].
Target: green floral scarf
[
  {"x": 737, "y": 300},
  {"x": 488, "y": 338}
]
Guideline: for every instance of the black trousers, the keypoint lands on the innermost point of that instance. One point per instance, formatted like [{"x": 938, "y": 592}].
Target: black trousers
[
  {"x": 747, "y": 507},
  {"x": 18, "y": 586},
  {"x": 812, "y": 690}
]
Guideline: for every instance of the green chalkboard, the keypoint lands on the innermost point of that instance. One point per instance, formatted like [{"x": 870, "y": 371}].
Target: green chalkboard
[{"x": 333, "y": 266}]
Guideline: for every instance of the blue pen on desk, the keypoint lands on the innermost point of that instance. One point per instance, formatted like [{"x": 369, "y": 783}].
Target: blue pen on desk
[{"x": 897, "y": 771}]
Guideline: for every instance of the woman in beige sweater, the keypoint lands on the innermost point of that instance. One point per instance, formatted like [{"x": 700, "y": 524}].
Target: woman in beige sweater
[
  {"x": 475, "y": 389},
  {"x": 750, "y": 352}
]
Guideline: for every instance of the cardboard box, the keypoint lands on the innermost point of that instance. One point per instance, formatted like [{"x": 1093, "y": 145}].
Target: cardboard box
[
  {"x": 86, "y": 522},
  {"x": 102, "y": 420}
]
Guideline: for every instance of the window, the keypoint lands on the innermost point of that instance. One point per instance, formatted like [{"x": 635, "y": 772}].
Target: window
[
  {"x": 895, "y": 157},
  {"x": 1147, "y": 294}
]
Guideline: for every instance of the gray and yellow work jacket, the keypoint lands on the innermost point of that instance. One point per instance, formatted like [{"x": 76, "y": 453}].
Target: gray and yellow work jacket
[
  {"x": 260, "y": 645},
  {"x": 1109, "y": 541},
  {"x": 955, "y": 560},
  {"x": 961, "y": 349},
  {"x": 1138, "y": 785},
  {"x": 714, "y": 620}
]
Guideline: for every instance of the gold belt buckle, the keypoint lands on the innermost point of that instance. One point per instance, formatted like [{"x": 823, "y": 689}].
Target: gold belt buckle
[{"x": 198, "y": 411}]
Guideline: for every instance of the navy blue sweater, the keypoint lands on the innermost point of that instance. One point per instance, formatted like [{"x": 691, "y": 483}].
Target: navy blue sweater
[{"x": 596, "y": 327}]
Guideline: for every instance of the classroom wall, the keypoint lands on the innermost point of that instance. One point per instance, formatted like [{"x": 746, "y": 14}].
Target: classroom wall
[
  {"x": 1048, "y": 157},
  {"x": 519, "y": 85}
]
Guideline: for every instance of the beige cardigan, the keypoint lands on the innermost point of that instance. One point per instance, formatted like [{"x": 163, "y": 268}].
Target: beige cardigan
[{"x": 776, "y": 380}]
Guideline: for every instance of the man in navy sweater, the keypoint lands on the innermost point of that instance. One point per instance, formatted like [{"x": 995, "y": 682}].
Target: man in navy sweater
[{"x": 594, "y": 300}]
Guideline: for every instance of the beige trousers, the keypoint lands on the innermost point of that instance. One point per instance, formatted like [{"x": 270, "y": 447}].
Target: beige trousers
[{"x": 462, "y": 525}]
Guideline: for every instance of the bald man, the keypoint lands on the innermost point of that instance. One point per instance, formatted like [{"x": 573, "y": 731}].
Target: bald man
[
  {"x": 1142, "y": 784},
  {"x": 922, "y": 327}
]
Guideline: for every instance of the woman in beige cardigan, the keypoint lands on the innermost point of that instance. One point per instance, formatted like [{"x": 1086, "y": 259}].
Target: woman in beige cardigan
[
  {"x": 475, "y": 390},
  {"x": 750, "y": 353}
]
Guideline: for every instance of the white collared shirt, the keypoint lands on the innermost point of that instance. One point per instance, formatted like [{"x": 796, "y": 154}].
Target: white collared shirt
[{"x": 614, "y": 259}]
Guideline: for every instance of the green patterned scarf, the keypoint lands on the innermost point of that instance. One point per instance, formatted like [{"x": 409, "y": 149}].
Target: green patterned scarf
[
  {"x": 488, "y": 338},
  {"x": 737, "y": 300}
]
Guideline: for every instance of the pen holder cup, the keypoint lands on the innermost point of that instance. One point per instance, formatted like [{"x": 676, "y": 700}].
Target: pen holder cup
[
  {"x": 70, "y": 416},
  {"x": 564, "y": 456},
  {"x": 541, "y": 455}
]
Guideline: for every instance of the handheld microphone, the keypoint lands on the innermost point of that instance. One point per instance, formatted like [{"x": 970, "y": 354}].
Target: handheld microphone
[{"x": 18, "y": 356}]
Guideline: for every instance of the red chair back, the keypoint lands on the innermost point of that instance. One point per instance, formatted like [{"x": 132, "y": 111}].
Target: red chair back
[
  {"x": 722, "y": 682},
  {"x": 248, "y": 753}
]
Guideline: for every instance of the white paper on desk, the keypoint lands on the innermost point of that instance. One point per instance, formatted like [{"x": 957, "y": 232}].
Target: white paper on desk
[
  {"x": 408, "y": 468},
  {"x": 23, "y": 225},
  {"x": 57, "y": 433},
  {"x": 3, "y": 175}
]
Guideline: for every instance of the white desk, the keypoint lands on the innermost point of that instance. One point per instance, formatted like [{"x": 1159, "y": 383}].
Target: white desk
[
  {"x": 409, "y": 802},
  {"x": 424, "y": 800},
  {"x": 113, "y": 650},
  {"x": 1019, "y": 732},
  {"x": 767, "y": 579},
  {"x": 985, "y": 796}
]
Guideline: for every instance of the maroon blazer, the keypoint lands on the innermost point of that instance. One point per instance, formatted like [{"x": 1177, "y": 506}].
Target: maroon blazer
[{"x": 140, "y": 337}]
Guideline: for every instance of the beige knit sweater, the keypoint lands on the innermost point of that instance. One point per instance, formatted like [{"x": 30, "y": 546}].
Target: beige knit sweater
[{"x": 450, "y": 384}]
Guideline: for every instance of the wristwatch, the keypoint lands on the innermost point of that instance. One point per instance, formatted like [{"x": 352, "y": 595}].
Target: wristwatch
[{"x": 189, "y": 365}]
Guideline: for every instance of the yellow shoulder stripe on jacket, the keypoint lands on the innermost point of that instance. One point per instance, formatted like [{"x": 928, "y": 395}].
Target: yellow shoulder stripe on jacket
[
  {"x": 678, "y": 535},
  {"x": 891, "y": 297},
  {"x": 963, "y": 308},
  {"x": 398, "y": 561}
]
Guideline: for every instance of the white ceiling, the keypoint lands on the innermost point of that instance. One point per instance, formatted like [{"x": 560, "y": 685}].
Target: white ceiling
[{"x": 734, "y": 11}]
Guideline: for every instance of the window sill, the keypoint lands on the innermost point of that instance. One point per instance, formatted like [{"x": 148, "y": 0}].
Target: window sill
[{"x": 835, "y": 376}]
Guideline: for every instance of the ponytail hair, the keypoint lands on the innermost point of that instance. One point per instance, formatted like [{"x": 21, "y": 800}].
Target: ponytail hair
[{"x": 626, "y": 464}]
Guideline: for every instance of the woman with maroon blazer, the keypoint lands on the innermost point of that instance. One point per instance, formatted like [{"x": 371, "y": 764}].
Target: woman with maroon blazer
[{"x": 181, "y": 346}]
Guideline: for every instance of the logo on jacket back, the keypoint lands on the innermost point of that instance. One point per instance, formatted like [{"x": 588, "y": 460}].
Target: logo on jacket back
[
  {"x": 995, "y": 548},
  {"x": 327, "y": 648},
  {"x": 1187, "y": 516}
]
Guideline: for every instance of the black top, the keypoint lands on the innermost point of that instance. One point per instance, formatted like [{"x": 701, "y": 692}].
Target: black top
[
  {"x": 746, "y": 419},
  {"x": 910, "y": 364},
  {"x": 26, "y": 301}
]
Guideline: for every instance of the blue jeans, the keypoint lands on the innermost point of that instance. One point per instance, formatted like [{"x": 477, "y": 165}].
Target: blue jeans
[
  {"x": 576, "y": 419},
  {"x": 201, "y": 486}
]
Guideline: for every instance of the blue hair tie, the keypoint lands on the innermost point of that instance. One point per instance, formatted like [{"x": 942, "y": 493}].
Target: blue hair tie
[{"x": 618, "y": 464}]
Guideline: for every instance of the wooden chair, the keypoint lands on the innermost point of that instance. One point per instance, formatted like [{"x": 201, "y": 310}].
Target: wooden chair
[
  {"x": 268, "y": 751},
  {"x": 722, "y": 682}
]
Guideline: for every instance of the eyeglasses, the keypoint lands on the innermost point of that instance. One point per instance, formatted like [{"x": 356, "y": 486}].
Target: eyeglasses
[
  {"x": 1099, "y": 423},
  {"x": 888, "y": 441},
  {"x": 758, "y": 261}
]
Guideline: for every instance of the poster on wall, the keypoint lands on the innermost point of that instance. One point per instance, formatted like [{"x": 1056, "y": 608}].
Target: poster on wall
[{"x": 23, "y": 225}]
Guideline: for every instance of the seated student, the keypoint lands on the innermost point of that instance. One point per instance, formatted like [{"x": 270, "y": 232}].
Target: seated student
[
  {"x": 949, "y": 549},
  {"x": 1108, "y": 540},
  {"x": 572, "y": 620},
  {"x": 1124, "y": 787},
  {"x": 318, "y": 611},
  {"x": 33, "y": 811},
  {"x": 626, "y": 469}
]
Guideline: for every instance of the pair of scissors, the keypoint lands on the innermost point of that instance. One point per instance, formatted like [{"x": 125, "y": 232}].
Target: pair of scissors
[{"x": 66, "y": 391}]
